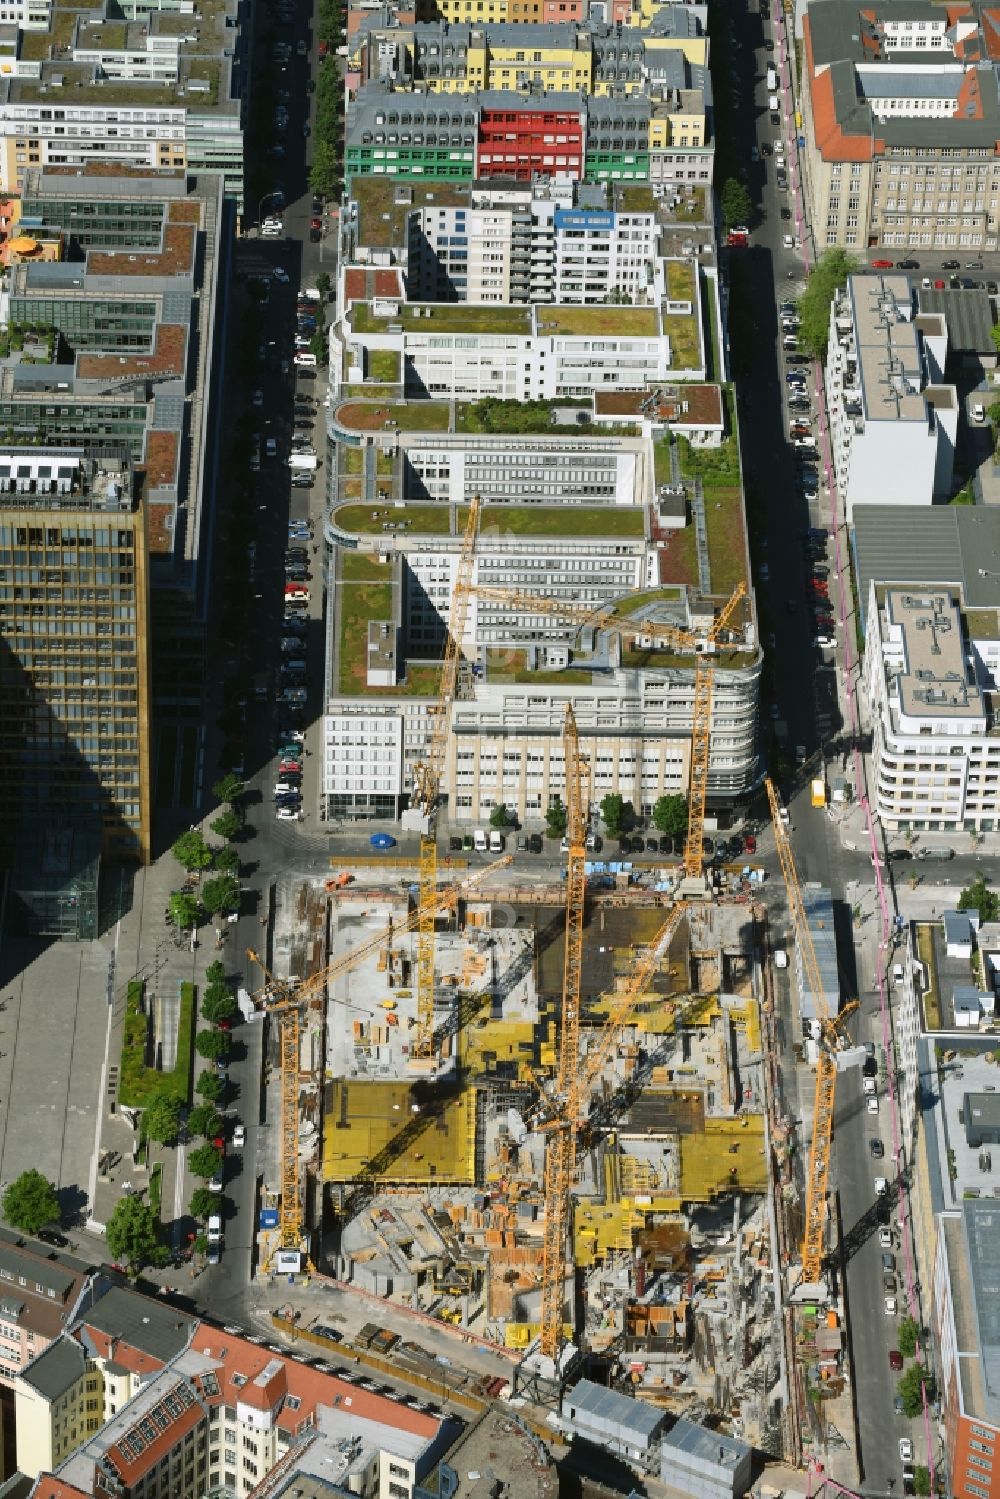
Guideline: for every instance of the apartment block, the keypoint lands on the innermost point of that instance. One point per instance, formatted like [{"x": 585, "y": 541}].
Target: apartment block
[
  {"x": 528, "y": 245},
  {"x": 663, "y": 134},
  {"x": 555, "y": 55},
  {"x": 893, "y": 420},
  {"x": 170, "y": 95},
  {"x": 932, "y": 672},
  {"x": 138, "y": 1401},
  {"x": 901, "y": 115}
]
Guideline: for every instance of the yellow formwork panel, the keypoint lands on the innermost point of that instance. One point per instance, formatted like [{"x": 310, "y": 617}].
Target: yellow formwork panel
[
  {"x": 507, "y": 1040},
  {"x": 521, "y": 1334},
  {"x": 727, "y": 1157},
  {"x": 656, "y": 1016},
  {"x": 399, "y": 1133},
  {"x": 748, "y": 1016}
]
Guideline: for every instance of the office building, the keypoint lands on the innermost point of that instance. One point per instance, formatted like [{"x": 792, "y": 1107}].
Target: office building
[
  {"x": 893, "y": 420},
  {"x": 608, "y": 536},
  {"x": 74, "y": 631},
  {"x": 931, "y": 674},
  {"x": 145, "y": 90},
  {"x": 901, "y": 116}
]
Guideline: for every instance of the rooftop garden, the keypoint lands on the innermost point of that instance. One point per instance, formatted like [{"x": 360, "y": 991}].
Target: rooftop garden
[
  {"x": 383, "y": 365},
  {"x": 680, "y": 281},
  {"x": 983, "y": 624},
  {"x": 421, "y": 519},
  {"x": 637, "y": 197},
  {"x": 451, "y": 317},
  {"x": 429, "y": 519},
  {"x": 613, "y": 321},
  {"x": 408, "y": 416},
  {"x": 365, "y": 593},
  {"x": 685, "y": 350}
]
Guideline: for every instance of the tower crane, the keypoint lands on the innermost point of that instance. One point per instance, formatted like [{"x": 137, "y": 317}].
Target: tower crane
[
  {"x": 818, "y": 1169},
  {"x": 427, "y": 789},
  {"x": 286, "y": 999},
  {"x": 700, "y": 643},
  {"x": 576, "y": 1077}
]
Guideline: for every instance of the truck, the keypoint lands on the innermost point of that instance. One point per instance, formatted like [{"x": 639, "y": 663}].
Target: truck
[
  {"x": 772, "y": 103},
  {"x": 817, "y": 792},
  {"x": 303, "y": 461},
  {"x": 772, "y": 78},
  {"x": 738, "y": 237}
]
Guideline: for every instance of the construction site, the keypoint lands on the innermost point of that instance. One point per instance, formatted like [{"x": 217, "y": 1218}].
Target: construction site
[{"x": 544, "y": 1114}]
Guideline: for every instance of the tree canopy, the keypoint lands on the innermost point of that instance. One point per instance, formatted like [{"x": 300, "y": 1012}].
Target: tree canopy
[
  {"x": 828, "y": 275},
  {"x": 736, "y": 203},
  {"x": 670, "y": 814},
  {"x": 499, "y": 816},
  {"x": 185, "y": 910},
  {"x": 907, "y": 1334},
  {"x": 910, "y": 1389},
  {"x": 229, "y": 788},
  {"x": 980, "y": 898},
  {"x": 211, "y": 1044},
  {"x": 204, "y": 1120},
  {"x": 226, "y": 825},
  {"x": 555, "y": 818},
  {"x": 203, "y": 1202},
  {"x": 161, "y": 1119},
  {"x": 133, "y": 1234},
  {"x": 218, "y": 1003},
  {"x": 30, "y": 1202},
  {"x": 204, "y": 1161},
  {"x": 221, "y": 894},
  {"x": 209, "y": 1085},
  {"x": 191, "y": 851},
  {"x": 617, "y": 813}
]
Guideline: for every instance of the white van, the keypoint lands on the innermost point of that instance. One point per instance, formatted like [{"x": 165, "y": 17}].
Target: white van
[
  {"x": 304, "y": 360},
  {"x": 772, "y": 103},
  {"x": 215, "y": 1229},
  {"x": 479, "y": 841},
  {"x": 496, "y": 842},
  {"x": 303, "y": 460}
]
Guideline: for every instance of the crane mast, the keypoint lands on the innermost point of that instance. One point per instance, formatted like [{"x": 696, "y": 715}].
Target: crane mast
[
  {"x": 427, "y": 789},
  {"x": 818, "y": 1169}
]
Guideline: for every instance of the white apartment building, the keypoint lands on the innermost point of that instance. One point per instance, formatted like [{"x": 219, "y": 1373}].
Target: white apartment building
[
  {"x": 514, "y": 246},
  {"x": 583, "y": 470},
  {"x": 506, "y": 742},
  {"x": 931, "y": 670},
  {"x": 893, "y": 422}
]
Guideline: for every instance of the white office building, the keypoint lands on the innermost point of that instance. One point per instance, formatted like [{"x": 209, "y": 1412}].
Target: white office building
[
  {"x": 931, "y": 672},
  {"x": 893, "y": 421}
]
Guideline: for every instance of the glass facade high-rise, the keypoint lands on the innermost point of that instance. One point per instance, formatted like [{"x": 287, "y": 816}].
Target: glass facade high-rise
[{"x": 74, "y": 672}]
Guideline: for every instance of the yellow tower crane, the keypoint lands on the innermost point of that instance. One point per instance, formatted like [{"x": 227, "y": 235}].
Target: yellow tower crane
[
  {"x": 818, "y": 1169},
  {"x": 570, "y": 1103},
  {"x": 427, "y": 789},
  {"x": 700, "y": 643},
  {"x": 286, "y": 999}
]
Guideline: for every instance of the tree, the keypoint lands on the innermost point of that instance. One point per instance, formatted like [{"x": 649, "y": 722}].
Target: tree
[
  {"x": 217, "y": 1003},
  {"x": 229, "y": 788},
  {"x": 200, "y": 1245},
  {"x": 227, "y": 824},
  {"x": 203, "y": 1202},
  {"x": 555, "y": 818},
  {"x": 617, "y": 813},
  {"x": 209, "y": 1085},
  {"x": 736, "y": 203},
  {"x": 215, "y": 973},
  {"x": 910, "y": 1391},
  {"x": 30, "y": 1202},
  {"x": 191, "y": 851},
  {"x": 185, "y": 910},
  {"x": 907, "y": 1334},
  {"x": 319, "y": 345},
  {"x": 670, "y": 814},
  {"x": 227, "y": 859},
  {"x": 204, "y": 1161},
  {"x": 211, "y": 1044},
  {"x": 133, "y": 1234},
  {"x": 323, "y": 285},
  {"x": 161, "y": 1118},
  {"x": 500, "y": 816},
  {"x": 995, "y": 335},
  {"x": 324, "y": 173},
  {"x": 204, "y": 1120},
  {"x": 828, "y": 276},
  {"x": 922, "y": 1481},
  {"x": 221, "y": 894},
  {"x": 978, "y": 897}
]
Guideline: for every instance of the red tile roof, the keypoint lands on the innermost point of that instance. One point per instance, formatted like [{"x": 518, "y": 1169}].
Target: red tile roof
[
  {"x": 131, "y": 1469},
  {"x": 49, "y": 1487},
  {"x": 114, "y": 1351},
  {"x": 831, "y": 142},
  {"x": 311, "y": 1387}
]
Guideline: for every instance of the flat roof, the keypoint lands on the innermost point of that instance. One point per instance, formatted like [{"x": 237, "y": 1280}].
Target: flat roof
[
  {"x": 152, "y": 1326},
  {"x": 635, "y": 1417},
  {"x": 933, "y": 680},
  {"x": 887, "y": 347},
  {"x": 56, "y": 1369},
  {"x": 966, "y": 311},
  {"x": 982, "y": 1238},
  {"x": 937, "y": 544}
]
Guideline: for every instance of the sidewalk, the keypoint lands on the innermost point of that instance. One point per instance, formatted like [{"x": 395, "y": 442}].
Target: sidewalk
[{"x": 150, "y": 950}]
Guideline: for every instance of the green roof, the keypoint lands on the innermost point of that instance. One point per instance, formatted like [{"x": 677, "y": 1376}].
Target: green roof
[
  {"x": 584, "y": 322},
  {"x": 431, "y": 519},
  {"x": 451, "y": 317}
]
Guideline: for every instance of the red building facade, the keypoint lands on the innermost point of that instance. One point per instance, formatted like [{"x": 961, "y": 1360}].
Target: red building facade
[{"x": 519, "y": 138}]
